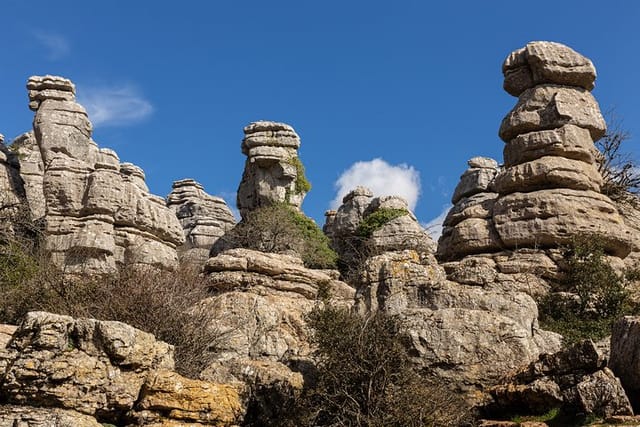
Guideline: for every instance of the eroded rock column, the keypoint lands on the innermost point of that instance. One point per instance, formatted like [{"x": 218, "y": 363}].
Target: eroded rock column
[{"x": 273, "y": 173}]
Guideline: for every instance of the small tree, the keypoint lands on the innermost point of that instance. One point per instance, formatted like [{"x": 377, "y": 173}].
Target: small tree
[
  {"x": 594, "y": 293},
  {"x": 365, "y": 378},
  {"x": 280, "y": 229},
  {"x": 618, "y": 169}
]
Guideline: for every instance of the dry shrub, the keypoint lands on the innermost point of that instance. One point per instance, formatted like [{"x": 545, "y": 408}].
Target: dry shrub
[
  {"x": 161, "y": 302},
  {"x": 365, "y": 378}
]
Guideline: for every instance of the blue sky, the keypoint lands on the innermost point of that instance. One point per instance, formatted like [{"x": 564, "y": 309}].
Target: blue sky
[{"x": 416, "y": 84}]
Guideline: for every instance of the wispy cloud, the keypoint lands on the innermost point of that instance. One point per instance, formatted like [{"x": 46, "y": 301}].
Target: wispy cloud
[
  {"x": 56, "y": 45},
  {"x": 114, "y": 106},
  {"x": 381, "y": 178},
  {"x": 434, "y": 227}
]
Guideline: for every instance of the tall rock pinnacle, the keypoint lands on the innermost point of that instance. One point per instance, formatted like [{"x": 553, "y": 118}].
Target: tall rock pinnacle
[{"x": 273, "y": 172}]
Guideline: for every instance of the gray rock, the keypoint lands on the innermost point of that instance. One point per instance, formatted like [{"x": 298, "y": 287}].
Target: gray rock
[
  {"x": 204, "y": 218},
  {"x": 546, "y": 62},
  {"x": 552, "y": 106},
  {"x": 98, "y": 212},
  {"x": 271, "y": 174}
]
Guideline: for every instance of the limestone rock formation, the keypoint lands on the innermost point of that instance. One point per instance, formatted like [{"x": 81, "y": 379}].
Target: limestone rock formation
[
  {"x": 397, "y": 234},
  {"x": 624, "y": 360},
  {"x": 13, "y": 205},
  {"x": 259, "y": 305},
  {"x": 273, "y": 172},
  {"x": 548, "y": 190},
  {"x": 466, "y": 334},
  {"x": 204, "y": 218},
  {"x": 24, "y": 416},
  {"x": 32, "y": 172},
  {"x": 98, "y": 212},
  {"x": 83, "y": 370},
  {"x": 575, "y": 379}
]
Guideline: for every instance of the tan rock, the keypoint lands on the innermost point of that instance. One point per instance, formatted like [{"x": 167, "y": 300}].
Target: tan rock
[
  {"x": 546, "y": 62},
  {"x": 470, "y": 236},
  {"x": 548, "y": 172},
  {"x": 183, "y": 399},
  {"x": 549, "y": 218},
  {"x": 29, "y": 416},
  {"x": 477, "y": 206},
  {"x": 568, "y": 141},
  {"x": 551, "y": 106}
]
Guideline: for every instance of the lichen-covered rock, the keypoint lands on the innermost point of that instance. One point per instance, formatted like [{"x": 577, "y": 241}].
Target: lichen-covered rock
[
  {"x": 260, "y": 304},
  {"x": 204, "y": 218},
  {"x": 546, "y": 62},
  {"x": 92, "y": 367},
  {"x": 98, "y": 212},
  {"x": 273, "y": 172},
  {"x": 625, "y": 355},
  {"x": 574, "y": 379},
  {"x": 29, "y": 416},
  {"x": 187, "y": 400}
]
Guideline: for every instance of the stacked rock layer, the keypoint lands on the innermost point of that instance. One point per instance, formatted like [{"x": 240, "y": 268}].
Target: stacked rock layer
[
  {"x": 98, "y": 212},
  {"x": 204, "y": 218},
  {"x": 272, "y": 173},
  {"x": 548, "y": 190}
]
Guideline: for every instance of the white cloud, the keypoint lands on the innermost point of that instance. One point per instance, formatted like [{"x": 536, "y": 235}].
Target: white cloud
[
  {"x": 381, "y": 178},
  {"x": 57, "y": 46},
  {"x": 434, "y": 227},
  {"x": 114, "y": 106}
]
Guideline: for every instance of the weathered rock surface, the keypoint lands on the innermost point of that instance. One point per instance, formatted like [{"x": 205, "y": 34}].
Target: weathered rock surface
[
  {"x": 204, "y": 218},
  {"x": 548, "y": 190},
  {"x": 456, "y": 331},
  {"x": 260, "y": 304},
  {"x": 625, "y": 355},
  {"x": 575, "y": 379},
  {"x": 273, "y": 173},
  {"x": 477, "y": 179},
  {"x": 106, "y": 370},
  {"x": 98, "y": 212},
  {"x": 397, "y": 234},
  {"x": 27, "y": 416},
  {"x": 546, "y": 62},
  {"x": 32, "y": 172},
  {"x": 552, "y": 106}
]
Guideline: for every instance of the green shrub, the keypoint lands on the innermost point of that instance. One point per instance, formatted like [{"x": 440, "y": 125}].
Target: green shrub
[
  {"x": 364, "y": 377},
  {"x": 377, "y": 219},
  {"x": 302, "y": 184},
  {"x": 595, "y": 295},
  {"x": 281, "y": 229}
]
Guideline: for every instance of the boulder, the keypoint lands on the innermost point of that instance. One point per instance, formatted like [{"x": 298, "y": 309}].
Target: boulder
[
  {"x": 574, "y": 379},
  {"x": 546, "y": 62},
  {"x": 624, "y": 358}
]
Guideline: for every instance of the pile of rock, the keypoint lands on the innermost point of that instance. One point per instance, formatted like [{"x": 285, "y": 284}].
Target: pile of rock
[
  {"x": 272, "y": 173},
  {"x": 98, "y": 212},
  {"x": 84, "y": 372},
  {"x": 400, "y": 233},
  {"x": 575, "y": 379},
  {"x": 204, "y": 218},
  {"x": 548, "y": 190}
]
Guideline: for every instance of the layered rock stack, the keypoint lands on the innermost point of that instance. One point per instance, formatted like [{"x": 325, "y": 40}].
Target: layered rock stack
[
  {"x": 98, "y": 212},
  {"x": 468, "y": 227},
  {"x": 204, "y": 218},
  {"x": 273, "y": 172},
  {"x": 548, "y": 190},
  {"x": 399, "y": 233}
]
